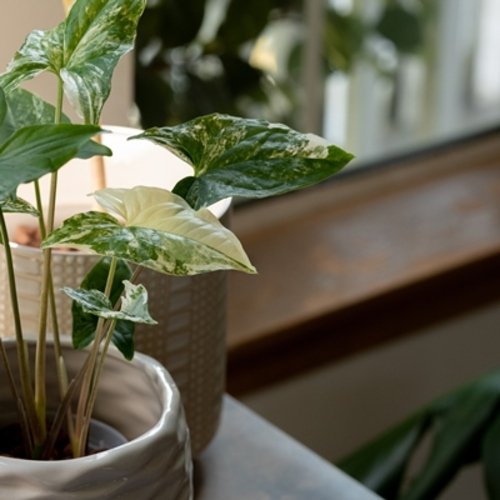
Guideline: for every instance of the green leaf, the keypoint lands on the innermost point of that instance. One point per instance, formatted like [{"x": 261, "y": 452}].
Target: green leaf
[
  {"x": 83, "y": 51},
  {"x": 25, "y": 109},
  {"x": 402, "y": 27},
  {"x": 95, "y": 302},
  {"x": 97, "y": 34},
  {"x": 491, "y": 458},
  {"x": 161, "y": 232},
  {"x": 457, "y": 435},
  {"x": 84, "y": 324},
  {"x": 32, "y": 152},
  {"x": 381, "y": 464},
  {"x": 18, "y": 206},
  {"x": 245, "y": 157},
  {"x": 41, "y": 51},
  {"x": 3, "y": 106}
]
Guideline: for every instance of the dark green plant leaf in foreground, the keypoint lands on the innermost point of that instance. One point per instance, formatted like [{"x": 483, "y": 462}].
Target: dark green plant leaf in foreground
[
  {"x": 84, "y": 324},
  {"x": 491, "y": 458},
  {"x": 160, "y": 232},
  {"x": 458, "y": 423},
  {"x": 32, "y": 152},
  {"x": 83, "y": 51},
  {"x": 245, "y": 157},
  {"x": 381, "y": 465},
  {"x": 455, "y": 440}
]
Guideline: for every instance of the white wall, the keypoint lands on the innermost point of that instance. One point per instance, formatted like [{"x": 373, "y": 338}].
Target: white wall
[
  {"x": 335, "y": 409},
  {"x": 19, "y": 17}
]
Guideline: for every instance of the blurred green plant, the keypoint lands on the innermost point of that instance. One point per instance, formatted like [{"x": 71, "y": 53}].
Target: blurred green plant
[
  {"x": 462, "y": 427},
  {"x": 196, "y": 57}
]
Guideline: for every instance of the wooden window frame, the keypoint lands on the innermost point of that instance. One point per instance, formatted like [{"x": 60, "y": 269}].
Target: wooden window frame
[{"x": 365, "y": 259}]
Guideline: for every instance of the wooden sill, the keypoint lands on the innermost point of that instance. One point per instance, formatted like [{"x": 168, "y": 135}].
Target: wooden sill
[{"x": 363, "y": 260}]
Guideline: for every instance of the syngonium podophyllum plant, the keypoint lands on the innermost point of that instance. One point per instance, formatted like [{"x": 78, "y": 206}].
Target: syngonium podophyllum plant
[{"x": 169, "y": 232}]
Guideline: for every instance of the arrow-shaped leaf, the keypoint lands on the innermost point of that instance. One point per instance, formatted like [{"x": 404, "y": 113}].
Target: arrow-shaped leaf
[
  {"x": 245, "y": 157},
  {"x": 32, "y": 152},
  {"x": 84, "y": 324},
  {"x": 160, "y": 231},
  {"x": 83, "y": 51},
  {"x": 96, "y": 303}
]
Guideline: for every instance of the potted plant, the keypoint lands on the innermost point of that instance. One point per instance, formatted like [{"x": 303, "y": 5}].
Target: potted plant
[{"x": 54, "y": 390}]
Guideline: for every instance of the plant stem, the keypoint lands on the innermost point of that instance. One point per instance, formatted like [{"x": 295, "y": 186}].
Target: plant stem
[
  {"x": 40, "y": 361},
  {"x": 21, "y": 407},
  {"x": 22, "y": 359},
  {"x": 90, "y": 376}
]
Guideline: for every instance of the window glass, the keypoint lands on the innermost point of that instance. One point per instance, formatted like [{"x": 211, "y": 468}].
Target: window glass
[{"x": 376, "y": 76}]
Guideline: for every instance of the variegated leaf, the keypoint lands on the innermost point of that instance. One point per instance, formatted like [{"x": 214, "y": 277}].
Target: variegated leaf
[
  {"x": 18, "y": 206},
  {"x": 135, "y": 303},
  {"x": 160, "y": 231},
  {"x": 83, "y": 51},
  {"x": 96, "y": 303},
  {"x": 84, "y": 325},
  {"x": 249, "y": 158}
]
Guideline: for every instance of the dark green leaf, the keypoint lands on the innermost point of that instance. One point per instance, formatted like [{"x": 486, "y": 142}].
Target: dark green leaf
[
  {"x": 381, "y": 464},
  {"x": 402, "y": 27},
  {"x": 244, "y": 21},
  {"x": 32, "y": 152},
  {"x": 84, "y": 324},
  {"x": 457, "y": 435},
  {"x": 491, "y": 458},
  {"x": 25, "y": 109},
  {"x": 245, "y": 157}
]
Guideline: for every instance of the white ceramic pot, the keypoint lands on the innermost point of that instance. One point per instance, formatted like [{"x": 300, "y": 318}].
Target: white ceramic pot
[
  {"x": 189, "y": 339},
  {"x": 138, "y": 399}
]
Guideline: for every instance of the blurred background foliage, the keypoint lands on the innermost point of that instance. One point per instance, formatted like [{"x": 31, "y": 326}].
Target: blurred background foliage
[{"x": 244, "y": 58}]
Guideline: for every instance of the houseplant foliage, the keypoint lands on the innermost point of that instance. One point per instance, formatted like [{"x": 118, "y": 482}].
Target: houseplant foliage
[
  {"x": 463, "y": 427},
  {"x": 142, "y": 227}
]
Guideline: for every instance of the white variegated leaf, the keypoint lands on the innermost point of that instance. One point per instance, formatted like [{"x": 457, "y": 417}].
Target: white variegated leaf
[
  {"x": 135, "y": 303},
  {"x": 96, "y": 303},
  {"x": 159, "y": 231}
]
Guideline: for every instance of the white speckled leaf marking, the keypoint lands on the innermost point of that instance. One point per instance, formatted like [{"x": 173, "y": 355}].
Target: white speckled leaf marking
[
  {"x": 250, "y": 158},
  {"x": 134, "y": 305}
]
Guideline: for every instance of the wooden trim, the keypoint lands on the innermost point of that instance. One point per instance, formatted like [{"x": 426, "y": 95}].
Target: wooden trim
[{"x": 364, "y": 260}]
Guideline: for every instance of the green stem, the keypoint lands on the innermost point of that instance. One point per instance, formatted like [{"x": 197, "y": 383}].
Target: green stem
[
  {"x": 84, "y": 431},
  {"x": 22, "y": 358},
  {"x": 21, "y": 407},
  {"x": 90, "y": 376},
  {"x": 40, "y": 361}
]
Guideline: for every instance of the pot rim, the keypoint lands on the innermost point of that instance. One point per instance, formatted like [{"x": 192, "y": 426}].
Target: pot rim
[{"x": 167, "y": 422}]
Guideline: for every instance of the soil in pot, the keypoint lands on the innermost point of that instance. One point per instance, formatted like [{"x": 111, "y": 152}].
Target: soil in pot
[{"x": 102, "y": 437}]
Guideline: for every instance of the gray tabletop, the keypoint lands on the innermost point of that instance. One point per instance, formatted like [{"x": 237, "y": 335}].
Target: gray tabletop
[{"x": 250, "y": 459}]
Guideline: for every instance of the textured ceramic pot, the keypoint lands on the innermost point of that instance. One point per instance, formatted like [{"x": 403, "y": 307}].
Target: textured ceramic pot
[
  {"x": 189, "y": 339},
  {"x": 138, "y": 399}
]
